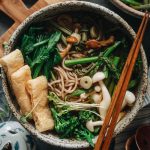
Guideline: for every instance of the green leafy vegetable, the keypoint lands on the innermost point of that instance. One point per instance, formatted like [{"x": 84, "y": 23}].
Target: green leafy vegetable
[
  {"x": 84, "y": 134},
  {"x": 73, "y": 125},
  {"x": 25, "y": 118},
  {"x": 65, "y": 107},
  {"x": 40, "y": 52},
  {"x": 44, "y": 55},
  {"x": 78, "y": 92},
  {"x": 106, "y": 53},
  {"x": 131, "y": 2}
]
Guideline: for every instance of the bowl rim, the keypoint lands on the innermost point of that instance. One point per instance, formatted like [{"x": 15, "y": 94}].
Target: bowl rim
[
  {"x": 57, "y": 141},
  {"x": 127, "y": 9}
]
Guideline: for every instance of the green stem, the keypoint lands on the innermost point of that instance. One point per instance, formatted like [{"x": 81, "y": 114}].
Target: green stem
[
  {"x": 40, "y": 43},
  {"x": 116, "y": 61},
  {"x": 131, "y": 2},
  {"x": 110, "y": 49},
  {"x": 111, "y": 87},
  {"x": 146, "y": 1},
  {"x": 112, "y": 84},
  {"x": 106, "y": 53},
  {"x": 81, "y": 61},
  {"x": 53, "y": 76},
  {"x": 143, "y": 7}
]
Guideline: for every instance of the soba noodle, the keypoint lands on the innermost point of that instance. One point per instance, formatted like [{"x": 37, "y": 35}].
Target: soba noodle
[{"x": 65, "y": 83}]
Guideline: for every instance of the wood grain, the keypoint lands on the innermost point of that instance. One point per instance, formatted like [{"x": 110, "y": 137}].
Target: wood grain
[{"x": 17, "y": 11}]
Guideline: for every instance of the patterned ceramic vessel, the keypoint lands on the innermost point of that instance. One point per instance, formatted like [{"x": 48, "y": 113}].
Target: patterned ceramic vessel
[
  {"x": 60, "y": 8},
  {"x": 14, "y": 137},
  {"x": 129, "y": 10}
]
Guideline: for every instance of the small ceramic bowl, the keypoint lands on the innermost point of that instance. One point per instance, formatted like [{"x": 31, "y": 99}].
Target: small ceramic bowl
[
  {"x": 67, "y": 7},
  {"x": 131, "y": 144},
  {"x": 122, "y": 6},
  {"x": 142, "y": 137}
]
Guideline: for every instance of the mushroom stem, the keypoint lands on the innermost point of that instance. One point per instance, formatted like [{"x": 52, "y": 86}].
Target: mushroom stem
[
  {"x": 98, "y": 123},
  {"x": 64, "y": 52},
  {"x": 90, "y": 125},
  {"x": 106, "y": 100},
  {"x": 129, "y": 99},
  {"x": 97, "y": 97},
  {"x": 98, "y": 77}
]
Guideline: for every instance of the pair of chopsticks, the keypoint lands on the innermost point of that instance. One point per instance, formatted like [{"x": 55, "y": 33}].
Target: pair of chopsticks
[{"x": 106, "y": 132}]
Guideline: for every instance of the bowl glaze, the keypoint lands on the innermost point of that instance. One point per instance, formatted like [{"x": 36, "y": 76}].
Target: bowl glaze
[{"x": 59, "y": 8}]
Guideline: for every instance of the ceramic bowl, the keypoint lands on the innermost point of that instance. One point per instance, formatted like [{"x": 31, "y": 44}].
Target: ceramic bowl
[
  {"x": 60, "y": 8},
  {"x": 142, "y": 137},
  {"x": 129, "y": 10}
]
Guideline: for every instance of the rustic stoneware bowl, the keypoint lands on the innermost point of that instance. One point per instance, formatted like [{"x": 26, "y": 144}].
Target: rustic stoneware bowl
[
  {"x": 60, "y": 8},
  {"x": 129, "y": 10}
]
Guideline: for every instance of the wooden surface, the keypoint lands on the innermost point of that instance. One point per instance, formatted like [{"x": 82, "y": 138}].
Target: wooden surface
[{"x": 17, "y": 11}]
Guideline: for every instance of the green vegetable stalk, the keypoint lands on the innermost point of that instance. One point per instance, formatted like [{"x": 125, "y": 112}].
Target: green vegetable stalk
[
  {"x": 106, "y": 53},
  {"x": 131, "y": 2},
  {"x": 65, "y": 107},
  {"x": 112, "y": 84},
  {"x": 73, "y": 125},
  {"x": 81, "y": 61},
  {"x": 142, "y": 7},
  {"x": 44, "y": 55},
  {"x": 40, "y": 52}
]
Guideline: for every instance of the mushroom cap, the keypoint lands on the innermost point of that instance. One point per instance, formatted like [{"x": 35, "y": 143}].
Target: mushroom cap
[
  {"x": 89, "y": 125},
  {"x": 98, "y": 77},
  {"x": 97, "y": 88},
  {"x": 86, "y": 82},
  {"x": 77, "y": 36},
  {"x": 130, "y": 98},
  {"x": 96, "y": 98},
  {"x": 83, "y": 96}
]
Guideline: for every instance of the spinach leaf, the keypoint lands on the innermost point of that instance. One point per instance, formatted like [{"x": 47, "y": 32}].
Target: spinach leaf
[
  {"x": 27, "y": 44},
  {"x": 46, "y": 51},
  {"x": 39, "y": 50},
  {"x": 57, "y": 57},
  {"x": 78, "y": 92}
]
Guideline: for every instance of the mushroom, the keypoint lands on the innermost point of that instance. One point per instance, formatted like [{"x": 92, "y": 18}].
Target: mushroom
[
  {"x": 74, "y": 38},
  {"x": 86, "y": 82},
  {"x": 64, "y": 52},
  {"x": 95, "y": 44},
  {"x": 97, "y": 98},
  {"x": 129, "y": 99},
  {"x": 77, "y": 36},
  {"x": 84, "y": 33},
  {"x": 90, "y": 125},
  {"x": 97, "y": 88},
  {"x": 83, "y": 96},
  {"x": 93, "y": 32},
  {"x": 98, "y": 77},
  {"x": 105, "y": 101}
]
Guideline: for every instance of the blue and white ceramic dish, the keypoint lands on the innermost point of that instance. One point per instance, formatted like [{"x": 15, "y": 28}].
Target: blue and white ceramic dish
[{"x": 14, "y": 137}]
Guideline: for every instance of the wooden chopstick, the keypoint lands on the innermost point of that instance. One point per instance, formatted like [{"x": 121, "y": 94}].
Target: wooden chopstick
[
  {"x": 123, "y": 90},
  {"x": 103, "y": 141}
]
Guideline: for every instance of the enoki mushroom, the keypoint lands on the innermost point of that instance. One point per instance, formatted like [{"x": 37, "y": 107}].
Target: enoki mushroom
[{"x": 66, "y": 82}]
